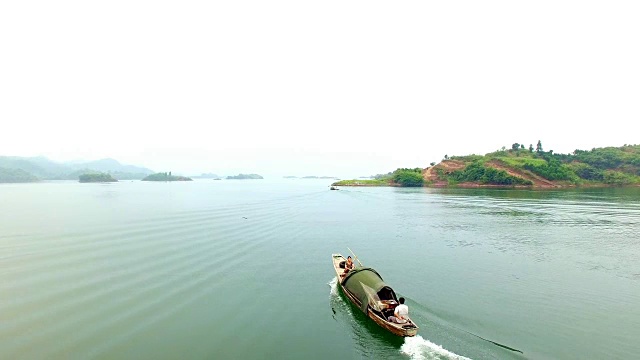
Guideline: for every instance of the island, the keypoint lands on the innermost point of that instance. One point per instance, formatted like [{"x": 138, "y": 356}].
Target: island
[
  {"x": 96, "y": 178},
  {"x": 244, "y": 177},
  {"x": 521, "y": 167},
  {"x": 290, "y": 177},
  {"x": 166, "y": 177},
  {"x": 16, "y": 176}
]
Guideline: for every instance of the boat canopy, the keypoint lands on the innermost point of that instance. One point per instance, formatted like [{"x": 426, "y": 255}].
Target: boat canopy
[{"x": 361, "y": 281}]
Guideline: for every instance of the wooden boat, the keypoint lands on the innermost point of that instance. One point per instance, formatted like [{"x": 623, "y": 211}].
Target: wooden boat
[{"x": 366, "y": 289}]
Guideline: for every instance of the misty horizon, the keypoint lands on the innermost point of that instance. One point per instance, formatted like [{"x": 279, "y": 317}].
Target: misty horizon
[
  {"x": 281, "y": 164},
  {"x": 274, "y": 90}
]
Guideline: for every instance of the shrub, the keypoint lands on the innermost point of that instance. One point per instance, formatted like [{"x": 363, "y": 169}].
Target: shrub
[
  {"x": 477, "y": 172},
  {"x": 618, "y": 178},
  {"x": 588, "y": 172},
  {"x": 552, "y": 170},
  {"x": 408, "y": 177}
]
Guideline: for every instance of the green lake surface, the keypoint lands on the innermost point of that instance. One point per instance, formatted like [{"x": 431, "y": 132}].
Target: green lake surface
[{"x": 242, "y": 270}]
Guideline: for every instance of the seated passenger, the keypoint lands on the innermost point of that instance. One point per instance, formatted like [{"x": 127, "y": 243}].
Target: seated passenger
[
  {"x": 347, "y": 266},
  {"x": 401, "y": 313}
]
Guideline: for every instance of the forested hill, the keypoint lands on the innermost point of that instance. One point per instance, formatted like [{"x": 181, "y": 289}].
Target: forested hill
[
  {"x": 521, "y": 166},
  {"x": 15, "y": 176},
  {"x": 41, "y": 168},
  {"x": 529, "y": 166}
]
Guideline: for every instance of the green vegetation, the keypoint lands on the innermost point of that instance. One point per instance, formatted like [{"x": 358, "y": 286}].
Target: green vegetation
[
  {"x": 16, "y": 176},
  {"x": 520, "y": 165},
  {"x": 361, "y": 182},
  {"x": 96, "y": 177},
  {"x": 244, "y": 177},
  {"x": 619, "y": 178},
  {"x": 408, "y": 177},
  {"x": 616, "y": 166},
  {"x": 478, "y": 172},
  {"x": 611, "y": 157},
  {"x": 520, "y": 162},
  {"x": 165, "y": 177},
  {"x": 552, "y": 170},
  {"x": 403, "y": 177},
  {"x": 467, "y": 158}
]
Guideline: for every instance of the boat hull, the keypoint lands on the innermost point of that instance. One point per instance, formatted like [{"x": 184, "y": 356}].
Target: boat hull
[{"x": 403, "y": 330}]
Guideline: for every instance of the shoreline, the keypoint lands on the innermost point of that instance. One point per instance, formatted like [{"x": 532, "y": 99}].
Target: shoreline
[{"x": 493, "y": 186}]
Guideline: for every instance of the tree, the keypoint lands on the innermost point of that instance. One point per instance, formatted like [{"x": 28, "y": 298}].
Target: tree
[
  {"x": 522, "y": 146},
  {"x": 515, "y": 146},
  {"x": 446, "y": 157},
  {"x": 408, "y": 177},
  {"x": 432, "y": 164},
  {"x": 539, "y": 147},
  {"x": 530, "y": 147}
]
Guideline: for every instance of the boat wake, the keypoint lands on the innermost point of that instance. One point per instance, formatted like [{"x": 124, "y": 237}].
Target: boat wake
[
  {"x": 333, "y": 284},
  {"x": 418, "y": 348}
]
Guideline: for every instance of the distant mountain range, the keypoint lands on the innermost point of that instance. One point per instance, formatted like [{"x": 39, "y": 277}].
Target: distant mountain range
[{"x": 41, "y": 168}]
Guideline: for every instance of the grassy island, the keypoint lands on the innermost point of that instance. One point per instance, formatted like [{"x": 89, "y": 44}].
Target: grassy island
[
  {"x": 401, "y": 177},
  {"x": 360, "y": 182},
  {"x": 96, "y": 177},
  {"x": 520, "y": 167},
  {"x": 244, "y": 177},
  {"x": 166, "y": 177}
]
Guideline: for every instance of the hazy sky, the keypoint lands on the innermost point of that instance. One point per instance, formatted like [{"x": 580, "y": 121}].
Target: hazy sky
[{"x": 343, "y": 88}]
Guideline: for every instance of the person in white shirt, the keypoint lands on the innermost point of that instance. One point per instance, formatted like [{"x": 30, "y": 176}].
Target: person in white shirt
[{"x": 401, "y": 313}]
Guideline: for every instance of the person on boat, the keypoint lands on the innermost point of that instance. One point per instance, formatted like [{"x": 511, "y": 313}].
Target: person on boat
[
  {"x": 347, "y": 266},
  {"x": 401, "y": 313}
]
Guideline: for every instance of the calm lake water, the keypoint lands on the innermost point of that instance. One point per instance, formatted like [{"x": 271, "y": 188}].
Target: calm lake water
[{"x": 242, "y": 270}]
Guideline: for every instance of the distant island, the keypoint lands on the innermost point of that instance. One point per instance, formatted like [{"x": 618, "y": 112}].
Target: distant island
[
  {"x": 244, "y": 177},
  {"x": 166, "y": 176},
  {"x": 290, "y": 177},
  {"x": 16, "y": 176},
  {"x": 520, "y": 167},
  {"x": 96, "y": 177},
  {"x": 29, "y": 169}
]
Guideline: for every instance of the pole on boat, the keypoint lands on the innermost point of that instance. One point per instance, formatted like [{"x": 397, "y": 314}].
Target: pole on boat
[{"x": 355, "y": 256}]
